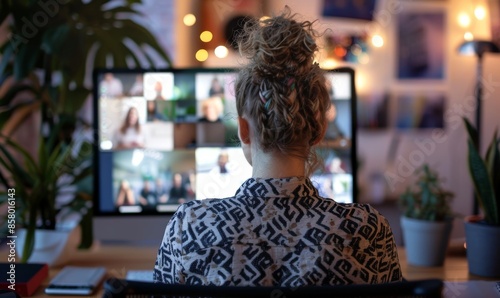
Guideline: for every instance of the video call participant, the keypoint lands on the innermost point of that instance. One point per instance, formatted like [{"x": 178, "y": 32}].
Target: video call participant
[
  {"x": 147, "y": 196},
  {"x": 125, "y": 195},
  {"x": 111, "y": 86},
  {"x": 152, "y": 112},
  {"x": 212, "y": 109},
  {"x": 178, "y": 192},
  {"x": 161, "y": 191},
  {"x": 277, "y": 230},
  {"x": 137, "y": 88},
  {"x": 216, "y": 88},
  {"x": 130, "y": 134}
]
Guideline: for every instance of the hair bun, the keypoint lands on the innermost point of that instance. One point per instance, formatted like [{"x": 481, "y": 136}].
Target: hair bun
[{"x": 280, "y": 46}]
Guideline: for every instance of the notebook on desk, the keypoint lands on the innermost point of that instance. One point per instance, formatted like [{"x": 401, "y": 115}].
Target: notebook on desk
[{"x": 140, "y": 275}]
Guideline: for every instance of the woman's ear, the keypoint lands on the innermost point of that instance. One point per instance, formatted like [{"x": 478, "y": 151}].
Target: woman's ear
[{"x": 243, "y": 130}]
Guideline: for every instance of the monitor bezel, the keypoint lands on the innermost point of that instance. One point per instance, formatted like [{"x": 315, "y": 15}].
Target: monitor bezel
[{"x": 95, "y": 113}]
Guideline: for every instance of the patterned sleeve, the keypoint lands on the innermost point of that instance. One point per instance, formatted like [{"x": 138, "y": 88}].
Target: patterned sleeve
[
  {"x": 168, "y": 267},
  {"x": 389, "y": 269}
]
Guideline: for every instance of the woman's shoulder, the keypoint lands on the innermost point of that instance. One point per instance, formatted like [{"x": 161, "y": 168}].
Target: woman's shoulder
[
  {"x": 360, "y": 210},
  {"x": 206, "y": 205}
]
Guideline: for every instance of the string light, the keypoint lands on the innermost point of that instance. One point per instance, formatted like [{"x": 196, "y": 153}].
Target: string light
[
  {"x": 206, "y": 36},
  {"x": 480, "y": 12},
  {"x": 463, "y": 20},
  {"x": 468, "y": 36},
  {"x": 221, "y": 52},
  {"x": 377, "y": 41},
  {"x": 201, "y": 55},
  {"x": 189, "y": 19}
]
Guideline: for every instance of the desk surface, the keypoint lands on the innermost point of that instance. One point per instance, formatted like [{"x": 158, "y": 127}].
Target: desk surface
[{"x": 119, "y": 259}]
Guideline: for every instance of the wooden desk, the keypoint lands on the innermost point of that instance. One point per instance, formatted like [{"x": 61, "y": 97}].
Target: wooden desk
[{"x": 119, "y": 259}]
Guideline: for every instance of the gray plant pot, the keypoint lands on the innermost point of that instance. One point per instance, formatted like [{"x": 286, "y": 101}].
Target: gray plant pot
[
  {"x": 425, "y": 241},
  {"x": 483, "y": 249}
]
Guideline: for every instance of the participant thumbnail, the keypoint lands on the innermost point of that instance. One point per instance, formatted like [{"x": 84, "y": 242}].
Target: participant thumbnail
[
  {"x": 220, "y": 172},
  {"x": 158, "y": 86},
  {"x": 149, "y": 180}
]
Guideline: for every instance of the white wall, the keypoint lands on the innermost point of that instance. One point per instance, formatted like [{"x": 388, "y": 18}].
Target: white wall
[{"x": 448, "y": 156}]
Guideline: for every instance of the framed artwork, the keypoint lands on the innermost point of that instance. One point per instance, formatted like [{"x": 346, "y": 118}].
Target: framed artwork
[
  {"x": 416, "y": 110},
  {"x": 373, "y": 111},
  {"x": 494, "y": 6},
  {"x": 358, "y": 9},
  {"x": 420, "y": 45}
]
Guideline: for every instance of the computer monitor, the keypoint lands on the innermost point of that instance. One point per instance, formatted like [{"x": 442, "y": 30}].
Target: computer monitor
[{"x": 165, "y": 137}]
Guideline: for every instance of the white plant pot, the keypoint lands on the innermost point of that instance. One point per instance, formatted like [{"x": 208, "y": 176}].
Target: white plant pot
[
  {"x": 53, "y": 247},
  {"x": 425, "y": 241}
]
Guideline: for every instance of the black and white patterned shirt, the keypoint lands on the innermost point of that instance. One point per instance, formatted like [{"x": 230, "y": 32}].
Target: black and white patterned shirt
[{"x": 277, "y": 232}]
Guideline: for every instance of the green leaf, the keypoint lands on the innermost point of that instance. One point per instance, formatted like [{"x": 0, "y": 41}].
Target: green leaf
[
  {"x": 472, "y": 132},
  {"x": 8, "y": 161},
  {"x": 7, "y": 52},
  {"x": 8, "y": 114},
  {"x": 75, "y": 100},
  {"x": 4, "y": 11},
  {"x": 11, "y": 94},
  {"x": 25, "y": 59},
  {"x": 483, "y": 185},
  {"x": 53, "y": 39},
  {"x": 26, "y": 155},
  {"x": 493, "y": 165}
]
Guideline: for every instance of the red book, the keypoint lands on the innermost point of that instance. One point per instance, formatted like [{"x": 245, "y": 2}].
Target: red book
[{"x": 24, "y": 279}]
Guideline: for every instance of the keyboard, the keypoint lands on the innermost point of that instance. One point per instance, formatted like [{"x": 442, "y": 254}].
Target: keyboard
[{"x": 140, "y": 275}]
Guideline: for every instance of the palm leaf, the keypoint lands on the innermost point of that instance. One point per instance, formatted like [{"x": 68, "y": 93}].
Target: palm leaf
[
  {"x": 7, "y": 51},
  {"x": 12, "y": 93},
  {"x": 4, "y": 11},
  {"x": 54, "y": 38},
  {"x": 9, "y": 162},
  {"x": 26, "y": 58}
]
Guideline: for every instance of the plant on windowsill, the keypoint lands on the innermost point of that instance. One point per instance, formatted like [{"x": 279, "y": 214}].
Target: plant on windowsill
[
  {"x": 427, "y": 219},
  {"x": 482, "y": 233},
  {"x": 46, "y": 62}
]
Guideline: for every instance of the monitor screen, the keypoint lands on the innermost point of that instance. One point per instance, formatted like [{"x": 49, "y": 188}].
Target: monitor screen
[{"x": 165, "y": 137}]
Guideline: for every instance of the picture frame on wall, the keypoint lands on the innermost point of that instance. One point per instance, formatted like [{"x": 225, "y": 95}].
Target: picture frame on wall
[
  {"x": 420, "y": 110},
  {"x": 420, "y": 45},
  {"x": 360, "y": 9}
]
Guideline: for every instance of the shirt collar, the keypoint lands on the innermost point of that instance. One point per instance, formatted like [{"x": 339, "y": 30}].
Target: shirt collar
[{"x": 291, "y": 187}]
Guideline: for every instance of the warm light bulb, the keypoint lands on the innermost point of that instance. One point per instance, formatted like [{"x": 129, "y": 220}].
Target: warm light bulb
[
  {"x": 189, "y": 19},
  {"x": 480, "y": 12},
  {"x": 468, "y": 36},
  {"x": 356, "y": 50},
  {"x": 263, "y": 18},
  {"x": 201, "y": 55},
  {"x": 364, "y": 58},
  {"x": 360, "y": 81},
  {"x": 328, "y": 63},
  {"x": 377, "y": 41},
  {"x": 463, "y": 20},
  {"x": 221, "y": 52},
  {"x": 206, "y": 36}
]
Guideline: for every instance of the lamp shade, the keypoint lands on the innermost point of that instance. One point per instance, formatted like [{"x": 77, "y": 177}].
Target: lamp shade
[{"x": 478, "y": 48}]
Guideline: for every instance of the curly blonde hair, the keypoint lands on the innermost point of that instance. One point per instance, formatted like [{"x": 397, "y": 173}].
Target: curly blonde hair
[{"x": 281, "y": 90}]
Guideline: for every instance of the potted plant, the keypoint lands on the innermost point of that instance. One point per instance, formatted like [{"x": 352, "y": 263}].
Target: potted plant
[
  {"x": 482, "y": 233},
  {"x": 47, "y": 60},
  {"x": 31, "y": 192},
  {"x": 427, "y": 220}
]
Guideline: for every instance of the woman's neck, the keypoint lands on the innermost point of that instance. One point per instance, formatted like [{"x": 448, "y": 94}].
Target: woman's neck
[{"x": 277, "y": 165}]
